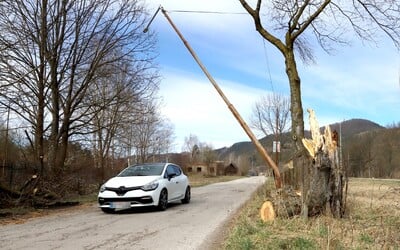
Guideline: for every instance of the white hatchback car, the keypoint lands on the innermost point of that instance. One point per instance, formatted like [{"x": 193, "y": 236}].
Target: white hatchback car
[{"x": 150, "y": 184}]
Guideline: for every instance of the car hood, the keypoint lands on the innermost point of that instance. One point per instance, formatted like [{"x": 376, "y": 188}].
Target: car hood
[{"x": 130, "y": 181}]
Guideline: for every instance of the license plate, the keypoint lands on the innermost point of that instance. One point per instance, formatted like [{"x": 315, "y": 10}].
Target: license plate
[{"x": 120, "y": 205}]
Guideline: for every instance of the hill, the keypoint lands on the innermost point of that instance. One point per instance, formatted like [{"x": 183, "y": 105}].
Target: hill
[
  {"x": 348, "y": 128},
  {"x": 368, "y": 149}
]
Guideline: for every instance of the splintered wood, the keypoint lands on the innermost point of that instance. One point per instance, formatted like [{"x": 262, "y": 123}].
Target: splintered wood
[
  {"x": 322, "y": 184},
  {"x": 324, "y": 143}
]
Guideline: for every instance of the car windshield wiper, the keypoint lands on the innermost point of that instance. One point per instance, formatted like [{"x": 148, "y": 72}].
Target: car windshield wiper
[{"x": 140, "y": 174}]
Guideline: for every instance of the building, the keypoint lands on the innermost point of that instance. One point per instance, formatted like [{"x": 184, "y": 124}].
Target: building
[{"x": 216, "y": 168}]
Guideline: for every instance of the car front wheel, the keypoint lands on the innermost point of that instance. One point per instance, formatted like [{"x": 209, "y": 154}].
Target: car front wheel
[
  {"x": 186, "y": 199},
  {"x": 163, "y": 200}
]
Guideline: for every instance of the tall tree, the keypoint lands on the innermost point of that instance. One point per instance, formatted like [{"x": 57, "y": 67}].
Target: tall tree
[
  {"x": 296, "y": 26},
  {"x": 114, "y": 101},
  {"x": 52, "y": 51},
  {"x": 149, "y": 135}
]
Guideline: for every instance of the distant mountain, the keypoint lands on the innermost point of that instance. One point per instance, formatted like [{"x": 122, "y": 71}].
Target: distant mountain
[
  {"x": 355, "y": 126},
  {"x": 368, "y": 149},
  {"x": 348, "y": 128}
]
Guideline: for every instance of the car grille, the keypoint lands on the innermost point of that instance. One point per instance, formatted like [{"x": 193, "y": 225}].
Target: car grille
[
  {"x": 132, "y": 200},
  {"x": 120, "y": 191}
]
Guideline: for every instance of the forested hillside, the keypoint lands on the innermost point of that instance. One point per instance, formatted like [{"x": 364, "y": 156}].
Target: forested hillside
[{"x": 369, "y": 150}]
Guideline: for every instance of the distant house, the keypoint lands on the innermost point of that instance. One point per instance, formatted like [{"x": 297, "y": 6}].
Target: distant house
[
  {"x": 198, "y": 168},
  {"x": 217, "y": 168},
  {"x": 231, "y": 169}
]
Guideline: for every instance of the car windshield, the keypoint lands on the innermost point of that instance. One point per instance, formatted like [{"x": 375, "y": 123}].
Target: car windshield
[{"x": 142, "y": 170}]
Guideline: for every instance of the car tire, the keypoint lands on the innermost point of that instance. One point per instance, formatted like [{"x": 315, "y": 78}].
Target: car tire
[
  {"x": 163, "y": 200},
  {"x": 186, "y": 199},
  {"x": 108, "y": 210}
]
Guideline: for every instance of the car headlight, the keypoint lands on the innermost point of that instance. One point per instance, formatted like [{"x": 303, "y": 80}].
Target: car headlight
[
  {"x": 150, "y": 186},
  {"x": 102, "y": 188}
]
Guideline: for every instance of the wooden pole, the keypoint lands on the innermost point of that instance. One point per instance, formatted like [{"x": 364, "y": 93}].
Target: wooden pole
[{"x": 257, "y": 144}]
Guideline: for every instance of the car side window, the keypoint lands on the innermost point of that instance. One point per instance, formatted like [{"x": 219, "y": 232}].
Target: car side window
[
  {"x": 170, "y": 170},
  {"x": 177, "y": 170}
]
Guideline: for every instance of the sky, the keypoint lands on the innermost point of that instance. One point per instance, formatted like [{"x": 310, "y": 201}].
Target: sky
[{"x": 358, "y": 81}]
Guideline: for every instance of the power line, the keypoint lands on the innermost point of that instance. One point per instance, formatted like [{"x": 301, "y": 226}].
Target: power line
[
  {"x": 267, "y": 62},
  {"x": 208, "y": 12},
  {"x": 231, "y": 13}
]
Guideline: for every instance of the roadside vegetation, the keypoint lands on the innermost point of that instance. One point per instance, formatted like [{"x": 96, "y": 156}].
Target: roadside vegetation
[{"x": 372, "y": 221}]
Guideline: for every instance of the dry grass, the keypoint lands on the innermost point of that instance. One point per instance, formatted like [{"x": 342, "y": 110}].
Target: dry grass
[{"x": 372, "y": 221}]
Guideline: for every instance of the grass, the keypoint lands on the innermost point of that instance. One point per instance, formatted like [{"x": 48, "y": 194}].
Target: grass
[{"x": 372, "y": 221}]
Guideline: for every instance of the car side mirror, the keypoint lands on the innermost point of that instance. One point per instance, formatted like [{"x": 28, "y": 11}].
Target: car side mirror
[{"x": 171, "y": 175}]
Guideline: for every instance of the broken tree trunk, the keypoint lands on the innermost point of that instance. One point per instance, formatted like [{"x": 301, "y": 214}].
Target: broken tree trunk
[
  {"x": 283, "y": 203},
  {"x": 324, "y": 178},
  {"x": 323, "y": 181}
]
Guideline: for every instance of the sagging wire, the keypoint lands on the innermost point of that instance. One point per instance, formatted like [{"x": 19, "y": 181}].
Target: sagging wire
[
  {"x": 268, "y": 67},
  {"x": 190, "y": 11},
  {"x": 208, "y": 12}
]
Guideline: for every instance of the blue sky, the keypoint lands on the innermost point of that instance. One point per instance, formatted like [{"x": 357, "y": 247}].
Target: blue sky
[{"x": 359, "y": 81}]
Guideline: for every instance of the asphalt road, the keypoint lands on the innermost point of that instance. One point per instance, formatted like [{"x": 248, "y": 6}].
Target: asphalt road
[{"x": 196, "y": 225}]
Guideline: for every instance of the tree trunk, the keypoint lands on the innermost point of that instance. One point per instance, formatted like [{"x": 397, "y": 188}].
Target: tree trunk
[
  {"x": 297, "y": 175},
  {"x": 283, "y": 203},
  {"x": 41, "y": 95},
  {"x": 296, "y": 107},
  {"x": 325, "y": 182}
]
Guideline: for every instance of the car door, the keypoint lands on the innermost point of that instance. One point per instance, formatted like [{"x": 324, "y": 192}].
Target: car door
[
  {"x": 172, "y": 183},
  {"x": 180, "y": 182}
]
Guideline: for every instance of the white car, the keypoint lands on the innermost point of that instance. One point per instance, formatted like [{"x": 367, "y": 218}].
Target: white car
[{"x": 150, "y": 184}]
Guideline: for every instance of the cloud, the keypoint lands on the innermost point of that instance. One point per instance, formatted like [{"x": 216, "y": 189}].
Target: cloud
[{"x": 195, "y": 107}]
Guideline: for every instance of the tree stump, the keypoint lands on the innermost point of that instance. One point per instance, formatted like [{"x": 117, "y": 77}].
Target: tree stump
[{"x": 324, "y": 178}]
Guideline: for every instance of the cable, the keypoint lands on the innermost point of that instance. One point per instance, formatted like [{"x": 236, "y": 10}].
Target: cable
[
  {"x": 267, "y": 62},
  {"x": 208, "y": 12}
]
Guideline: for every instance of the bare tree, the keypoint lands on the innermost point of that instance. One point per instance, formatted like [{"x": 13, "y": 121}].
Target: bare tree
[
  {"x": 271, "y": 114},
  {"x": 114, "y": 101},
  {"x": 54, "y": 50},
  {"x": 149, "y": 134},
  {"x": 295, "y": 26},
  {"x": 164, "y": 137},
  {"x": 191, "y": 145},
  {"x": 207, "y": 154}
]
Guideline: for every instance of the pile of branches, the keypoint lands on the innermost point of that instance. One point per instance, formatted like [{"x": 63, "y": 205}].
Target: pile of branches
[{"x": 33, "y": 193}]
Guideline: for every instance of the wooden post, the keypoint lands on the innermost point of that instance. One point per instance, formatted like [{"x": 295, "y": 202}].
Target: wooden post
[{"x": 257, "y": 144}]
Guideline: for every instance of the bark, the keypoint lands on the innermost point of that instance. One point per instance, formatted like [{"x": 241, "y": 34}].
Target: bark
[
  {"x": 298, "y": 175},
  {"x": 324, "y": 181},
  {"x": 39, "y": 129},
  {"x": 283, "y": 203},
  {"x": 323, "y": 190}
]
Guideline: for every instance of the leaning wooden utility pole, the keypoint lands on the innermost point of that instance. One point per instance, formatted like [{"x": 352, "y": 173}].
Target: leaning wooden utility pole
[{"x": 257, "y": 144}]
